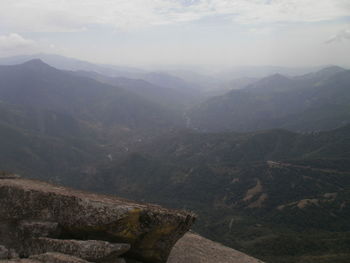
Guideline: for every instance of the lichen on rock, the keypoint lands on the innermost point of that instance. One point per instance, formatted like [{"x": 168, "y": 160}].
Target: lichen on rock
[{"x": 32, "y": 210}]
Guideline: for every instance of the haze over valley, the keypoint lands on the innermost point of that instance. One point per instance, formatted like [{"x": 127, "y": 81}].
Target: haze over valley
[{"x": 236, "y": 111}]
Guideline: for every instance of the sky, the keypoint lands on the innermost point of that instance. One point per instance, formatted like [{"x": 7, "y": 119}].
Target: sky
[{"x": 217, "y": 33}]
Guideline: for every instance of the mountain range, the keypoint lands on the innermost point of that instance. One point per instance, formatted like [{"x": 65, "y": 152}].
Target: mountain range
[
  {"x": 312, "y": 102},
  {"x": 36, "y": 84},
  {"x": 265, "y": 167},
  {"x": 277, "y": 195},
  {"x": 76, "y": 118}
]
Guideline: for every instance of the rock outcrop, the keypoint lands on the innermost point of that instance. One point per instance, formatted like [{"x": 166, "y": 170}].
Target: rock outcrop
[
  {"x": 48, "y": 223},
  {"x": 91, "y": 250},
  {"x": 193, "y": 248}
]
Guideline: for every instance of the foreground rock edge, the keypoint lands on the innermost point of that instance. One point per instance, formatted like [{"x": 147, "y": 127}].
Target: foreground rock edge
[
  {"x": 150, "y": 230},
  {"x": 193, "y": 248}
]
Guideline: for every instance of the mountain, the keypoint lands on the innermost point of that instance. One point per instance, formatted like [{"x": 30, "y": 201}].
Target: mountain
[
  {"x": 37, "y": 84},
  {"x": 239, "y": 83},
  {"x": 42, "y": 121},
  {"x": 42, "y": 151},
  {"x": 72, "y": 64},
  {"x": 322, "y": 74},
  {"x": 162, "y": 79},
  {"x": 176, "y": 97},
  {"x": 276, "y": 194},
  {"x": 204, "y": 80},
  {"x": 55, "y": 124},
  {"x": 316, "y": 101},
  {"x": 273, "y": 83},
  {"x": 166, "y": 80},
  {"x": 254, "y": 192},
  {"x": 262, "y": 71}
]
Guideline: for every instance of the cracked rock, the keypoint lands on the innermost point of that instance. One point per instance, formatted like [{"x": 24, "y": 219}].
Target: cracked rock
[
  {"x": 91, "y": 250},
  {"x": 30, "y": 229},
  {"x": 31, "y": 206}
]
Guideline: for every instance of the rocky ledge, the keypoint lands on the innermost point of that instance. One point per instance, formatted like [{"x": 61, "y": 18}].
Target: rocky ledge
[
  {"x": 41, "y": 222},
  {"x": 193, "y": 248}
]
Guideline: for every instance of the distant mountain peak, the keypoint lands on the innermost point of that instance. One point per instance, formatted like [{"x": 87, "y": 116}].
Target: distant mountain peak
[
  {"x": 276, "y": 76},
  {"x": 324, "y": 73},
  {"x": 331, "y": 69},
  {"x": 35, "y": 63}
]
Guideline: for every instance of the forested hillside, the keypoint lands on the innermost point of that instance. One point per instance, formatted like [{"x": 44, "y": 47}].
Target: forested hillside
[{"x": 277, "y": 194}]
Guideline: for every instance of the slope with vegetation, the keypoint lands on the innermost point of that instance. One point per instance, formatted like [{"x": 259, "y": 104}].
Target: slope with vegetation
[
  {"x": 54, "y": 123},
  {"x": 317, "y": 101},
  {"x": 277, "y": 195}
]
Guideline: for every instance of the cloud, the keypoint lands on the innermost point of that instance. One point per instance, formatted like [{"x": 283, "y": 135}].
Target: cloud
[
  {"x": 14, "y": 44},
  {"x": 342, "y": 35},
  {"x": 15, "y": 41},
  {"x": 76, "y": 15}
]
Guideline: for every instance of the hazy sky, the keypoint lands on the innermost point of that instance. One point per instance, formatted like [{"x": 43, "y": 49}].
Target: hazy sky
[{"x": 208, "y": 32}]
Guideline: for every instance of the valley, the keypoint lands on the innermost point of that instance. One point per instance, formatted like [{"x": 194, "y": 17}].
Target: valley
[{"x": 265, "y": 167}]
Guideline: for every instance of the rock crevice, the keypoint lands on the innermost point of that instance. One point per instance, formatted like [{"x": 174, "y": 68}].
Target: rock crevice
[{"x": 38, "y": 218}]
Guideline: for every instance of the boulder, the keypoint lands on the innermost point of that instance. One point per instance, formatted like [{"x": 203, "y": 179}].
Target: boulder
[
  {"x": 64, "y": 213},
  {"x": 193, "y": 248}
]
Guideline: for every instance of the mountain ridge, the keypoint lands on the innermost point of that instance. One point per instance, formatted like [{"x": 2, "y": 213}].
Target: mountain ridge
[
  {"x": 254, "y": 191},
  {"x": 275, "y": 185},
  {"x": 267, "y": 104}
]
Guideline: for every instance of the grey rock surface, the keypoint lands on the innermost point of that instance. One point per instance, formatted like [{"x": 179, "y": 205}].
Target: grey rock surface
[
  {"x": 193, "y": 248},
  {"x": 150, "y": 230},
  {"x": 30, "y": 229},
  {"x": 91, "y": 250}
]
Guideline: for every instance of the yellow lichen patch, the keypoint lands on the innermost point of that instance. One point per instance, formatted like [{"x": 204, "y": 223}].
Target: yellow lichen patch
[
  {"x": 259, "y": 203},
  {"x": 253, "y": 191},
  {"x": 153, "y": 236},
  {"x": 129, "y": 226},
  {"x": 148, "y": 243}
]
